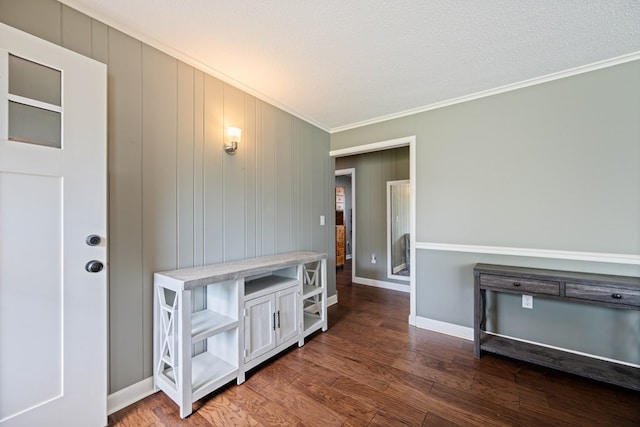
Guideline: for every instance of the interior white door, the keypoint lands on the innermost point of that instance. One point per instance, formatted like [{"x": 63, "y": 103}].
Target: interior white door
[{"x": 53, "y": 318}]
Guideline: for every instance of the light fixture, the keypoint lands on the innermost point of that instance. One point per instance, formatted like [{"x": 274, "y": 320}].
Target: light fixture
[{"x": 232, "y": 140}]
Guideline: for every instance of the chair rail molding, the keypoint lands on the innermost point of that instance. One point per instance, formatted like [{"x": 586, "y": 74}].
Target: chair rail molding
[{"x": 530, "y": 252}]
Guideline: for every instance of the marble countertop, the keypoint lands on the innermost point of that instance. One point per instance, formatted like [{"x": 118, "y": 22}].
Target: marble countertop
[{"x": 189, "y": 278}]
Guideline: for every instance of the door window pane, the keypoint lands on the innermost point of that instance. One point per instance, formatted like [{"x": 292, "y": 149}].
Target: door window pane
[
  {"x": 34, "y": 81},
  {"x": 34, "y": 125}
]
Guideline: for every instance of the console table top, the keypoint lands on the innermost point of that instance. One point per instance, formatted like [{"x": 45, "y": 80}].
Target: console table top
[
  {"x": 556, "y": 274},
  {"x": 189, "y": 278}
]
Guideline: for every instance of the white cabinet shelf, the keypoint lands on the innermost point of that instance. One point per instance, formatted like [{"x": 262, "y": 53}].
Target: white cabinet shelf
[
  {"x": 309, "y": 290},
  {"x": 207, "y": 323},
  {"x": 265, "y": 300}
]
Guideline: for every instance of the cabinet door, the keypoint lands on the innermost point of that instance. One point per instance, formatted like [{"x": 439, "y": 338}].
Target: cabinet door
[
  {"x": 287, "y": 315},
  {"x": 259, "y": 326}
]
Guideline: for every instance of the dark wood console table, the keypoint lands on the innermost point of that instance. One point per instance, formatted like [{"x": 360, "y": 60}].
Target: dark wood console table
[{"x": 595, "y": 289}]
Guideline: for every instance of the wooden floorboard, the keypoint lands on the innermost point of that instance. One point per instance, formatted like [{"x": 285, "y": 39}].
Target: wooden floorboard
[{"x": 372, "y": 369}]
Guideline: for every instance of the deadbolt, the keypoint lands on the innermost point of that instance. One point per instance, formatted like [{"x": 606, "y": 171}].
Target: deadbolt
[
  {"x": 94, "y": 266},
  {"x": 93, "y": 240}
]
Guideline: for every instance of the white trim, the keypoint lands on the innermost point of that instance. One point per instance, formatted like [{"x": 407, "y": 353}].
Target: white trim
[
  {"x": 452, "y": 329},
  {"x": 594, "y": 356},
  {"x": 332, "y": 300},
  {"x": 536, "y": 253},
  {"x": 187, "y": 59},
  {"x": 412, "y": 228},
  {"x": 351, "y": 172},
  {"x": 495, "y": 91},
  {"x": 370, "y": 148},
  {"x": 129, "y": 395},
  {"x": 35, "y": 103},
  {"x": 381, "y": 284}
]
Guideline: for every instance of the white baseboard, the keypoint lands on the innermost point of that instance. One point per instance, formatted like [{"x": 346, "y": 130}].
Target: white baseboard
[
  {"x": 129, "y": 395},
  {"x": 452, "y": 329},
  {"x": 381, "y": 284},
  {"x": 333, "y": 299}
]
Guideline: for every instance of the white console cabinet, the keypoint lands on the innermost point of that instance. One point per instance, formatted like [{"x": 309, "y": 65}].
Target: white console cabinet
[{"x": 253, "y": 309}]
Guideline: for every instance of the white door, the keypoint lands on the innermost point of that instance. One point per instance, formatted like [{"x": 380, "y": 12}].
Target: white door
[{"x": 53, "y": 319}]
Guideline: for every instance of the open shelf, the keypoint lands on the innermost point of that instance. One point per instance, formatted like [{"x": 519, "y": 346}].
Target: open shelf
[
  {"x": 266, "y": 285},
  {"x": 311, "y": 322},
  {"x": 310, "y": 290},
  {"x": 208, "y": 372},
  {"x": 207, "y": 323},
  {"x": 597, "y": 369}
]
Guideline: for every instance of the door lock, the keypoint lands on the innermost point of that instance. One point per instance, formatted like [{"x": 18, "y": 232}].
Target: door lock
[
  {"x": 94, "y": 266},
  {"x": 93, "y": 240}
]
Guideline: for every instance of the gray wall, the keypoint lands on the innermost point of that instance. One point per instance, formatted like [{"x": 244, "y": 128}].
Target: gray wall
[
  {"x": 175, "y": 198},
  {"x": 552, "y": 166},
  {"x": 373, "y": 170}
]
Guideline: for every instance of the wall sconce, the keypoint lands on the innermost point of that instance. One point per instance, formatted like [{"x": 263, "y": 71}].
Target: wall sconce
[{"x": 232, "y": 140}]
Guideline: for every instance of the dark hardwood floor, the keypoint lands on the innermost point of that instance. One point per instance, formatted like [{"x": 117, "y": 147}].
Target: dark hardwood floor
[{"x": 372, "y": 369}]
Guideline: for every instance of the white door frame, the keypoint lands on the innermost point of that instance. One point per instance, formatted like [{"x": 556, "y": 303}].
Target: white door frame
[
  {"x": 386, "y": 145},
  {"x": 352, "y": 173}
]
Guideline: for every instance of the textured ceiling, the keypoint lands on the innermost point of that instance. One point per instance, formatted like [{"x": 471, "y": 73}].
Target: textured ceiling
[{"x": 338, "y": 63}]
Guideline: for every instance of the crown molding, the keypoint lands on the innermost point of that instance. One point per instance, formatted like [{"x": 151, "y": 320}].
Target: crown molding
[{"x": 498, "y": 90}]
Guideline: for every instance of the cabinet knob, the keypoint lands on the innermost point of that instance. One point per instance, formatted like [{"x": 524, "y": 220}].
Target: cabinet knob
[
  {"x": 616, "y": 296},
  {"x": 516, "y": 284}
]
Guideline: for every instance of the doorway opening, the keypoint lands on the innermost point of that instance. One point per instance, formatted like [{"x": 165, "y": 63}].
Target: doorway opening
[
  {"x": 346, "y": 179},
  {"x": 409, "y": 141}
]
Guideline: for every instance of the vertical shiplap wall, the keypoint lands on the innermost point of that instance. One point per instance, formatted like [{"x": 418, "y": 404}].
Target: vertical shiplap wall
[
  {"x": 372, "y": 171},
  {"x": 175, "y": 198}
]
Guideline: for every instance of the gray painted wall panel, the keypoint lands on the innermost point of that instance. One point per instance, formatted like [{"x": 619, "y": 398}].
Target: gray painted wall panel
[
  {"x": 259, "y": 178},
  {"x": 99, "y": 41},
  {"x": 42, "y": 18},
  {"x": 268, "y": 185},
  {"x": 283, "y": 195},
  {"x": 234, "y": 178},
  {"x": 185, "y": 166},
  {"x": 198, "y": 168},
  {"x": 213, "y": 173},
  {"x": 76, "y": 31},
  {"x": 159, "y": 204},
  {"x": 294, "y": 185},
  {"x": 563, "y": 154},
  {"x": 251, "y": 176},
  {"x": 125, "y": 209}
]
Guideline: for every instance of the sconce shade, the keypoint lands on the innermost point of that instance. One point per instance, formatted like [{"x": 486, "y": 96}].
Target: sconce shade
[{"x": 232, "y": 140}]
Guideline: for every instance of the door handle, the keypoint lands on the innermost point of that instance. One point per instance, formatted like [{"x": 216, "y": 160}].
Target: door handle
[{"x": 94, "y": 266}]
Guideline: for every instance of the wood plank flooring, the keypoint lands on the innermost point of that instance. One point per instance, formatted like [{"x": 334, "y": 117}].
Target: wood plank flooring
[{"x": 372, "y": 369}]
